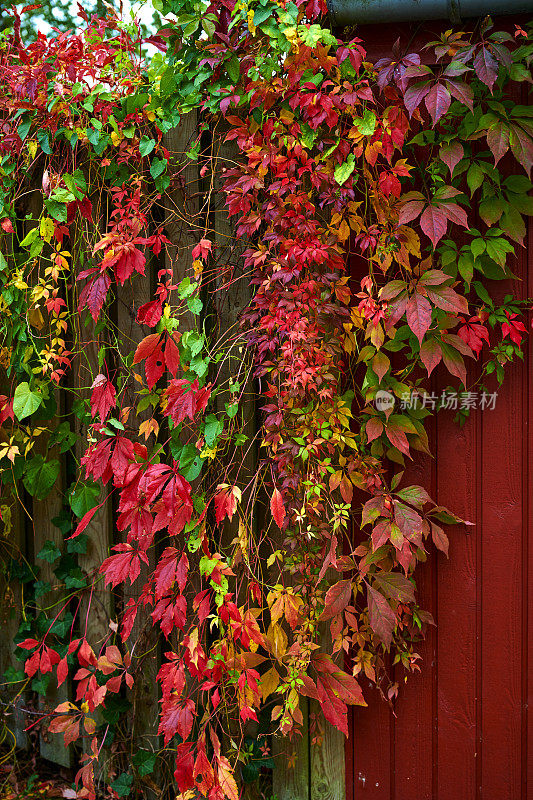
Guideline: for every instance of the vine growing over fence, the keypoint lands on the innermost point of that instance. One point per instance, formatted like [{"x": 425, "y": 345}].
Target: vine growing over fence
[{"x": 392, "y": 166}]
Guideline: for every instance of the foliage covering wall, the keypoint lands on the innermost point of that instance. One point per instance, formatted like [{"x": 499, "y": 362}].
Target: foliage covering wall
[{"x": 232, "y": 544}]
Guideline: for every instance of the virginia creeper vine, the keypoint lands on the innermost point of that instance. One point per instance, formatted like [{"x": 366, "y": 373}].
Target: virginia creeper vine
[{"x": 387, "y": 172}]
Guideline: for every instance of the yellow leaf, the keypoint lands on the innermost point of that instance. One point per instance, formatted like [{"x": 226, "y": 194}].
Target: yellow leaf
[
  {"x": 46, "y": 228},
  {"x": 198, "y": 267},
  {"x": 35, "y": 318},
  {"x": 149, "y": 426},
  {"x": 269, "y": 683},
  {"x": 277, "y": 638}
]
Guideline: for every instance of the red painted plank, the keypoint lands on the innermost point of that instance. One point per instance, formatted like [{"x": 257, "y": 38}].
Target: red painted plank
[
  {"x": 527, "y": 572},
  {"x": 457, "y": 613},
  {"x": 414, "y": 723},
  {"x": 372, "y": 762}
]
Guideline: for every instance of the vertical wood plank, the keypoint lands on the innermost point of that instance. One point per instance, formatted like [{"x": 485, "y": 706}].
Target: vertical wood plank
[
  {"x": 501, "y": 583},
  {"x": 372, "y": 751},
  {"x": 327, "y": 766},
  {"x": 182, "y": 212},
  {"x": 51, "y": 745},
  {"x": 11, "y": 608},
  {"x": 527, "y": 564},
  {"x": 97, "y": 606},
  {"x": 414, "y": 722},
  {"x": 145, "y": 709},
  {"x": 292, "y": 774},
  {"x": 458, "y": 487}
]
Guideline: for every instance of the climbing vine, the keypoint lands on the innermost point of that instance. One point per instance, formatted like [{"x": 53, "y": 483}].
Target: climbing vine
[{"x": 368, "y": 213}]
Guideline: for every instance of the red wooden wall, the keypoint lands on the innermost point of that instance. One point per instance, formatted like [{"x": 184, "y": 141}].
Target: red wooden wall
[{"x": 460, "y": 729}]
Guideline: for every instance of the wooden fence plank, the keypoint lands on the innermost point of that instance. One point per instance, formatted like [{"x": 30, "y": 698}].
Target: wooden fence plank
[
  {"x": 146, "y": 654},
  {"x": 11, "y": 611},
  {"x": 51, "y": 745},
  {"x": 292, "y": 772}
]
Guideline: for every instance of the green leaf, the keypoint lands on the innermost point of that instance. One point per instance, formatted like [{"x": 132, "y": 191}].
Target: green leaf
[
  {"x": 26, "y": 401},
  {"x": 233, "y": 67},
  {"x": 195, "y": 305},
  {"x": 146, "y": 145},
  {"x": 50, "y": 552},
  {"x": 123, "y": 784},
  {"x": 213, "y": 429},
  {"x": 157, "y": 167},
  {"x": 343, "y": 171},
  {"x": 30, "y": 237},
  {"x": 367, "y": 124},
  {"x": 78, "y": 545},
  {"x": 23, "y": 128},
  {"x": 40, "y": 476},
  {"x": 474, "y": 177},
  {"x": 145, "y": 762},
  {"x": 40, "y": 684},
  {"x": 84, "y": 497},
  {"x": 231, "y": 409},
  {"x": 56, "y": 210}
]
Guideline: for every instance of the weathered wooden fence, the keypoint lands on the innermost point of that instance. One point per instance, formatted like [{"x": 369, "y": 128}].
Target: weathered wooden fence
[{"x": 310, "y": 767}]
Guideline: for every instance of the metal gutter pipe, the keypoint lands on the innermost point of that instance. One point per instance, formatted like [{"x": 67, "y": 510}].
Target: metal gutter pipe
[{"x": 350, "y": 12}]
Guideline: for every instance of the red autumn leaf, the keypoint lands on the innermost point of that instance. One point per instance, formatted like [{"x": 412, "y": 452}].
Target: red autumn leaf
[
  {"x": 225, "y": 503},
  {"x": 184, "y": 771},
  {"x": 103, "y": 397},
  {"x": 94, "y": 294},
  {"x": 127, "y": 259},
  {"x": 226, "y": 779},
  {"x": 184, "y": 399},
  {"x": 397, "y": 438},
  {"x": 446, "y": 298},
  {"x": 418, "y": 314},
  {"x": 486, "y": 67},
  {"x": 462, "y": 92},
  {"x": 277, "y": 508},
  {"x": 453, "y": 362},
  {"x": 381, "y": 616},
  {"x": 440, "y": 540},
  {"x": 437, "y": 101},
  {"x": 202, "y": 249},
  {"x": 150, "y": 313},
  {"x": 177, "y": 717},
  {"x": 407, "y": 519},
  {"x": 522, "y": 147},
  {"x": 410, "y": 210},
  {"x": 434, "y": 223},
  {"x": 430, "y": 354},
  {"x": 337, "y": 598},
  {"x": 85, "y": 520},
  {"x": 455, "y": 214},
  {"x": 474, "y": 333},
  {"x": 414, "y": 96},
  {"x": 513, "y": 328},
  {"x": 126, "y": 563},
  {"x": 451, "y": 154},
  {"x": 62, "y": 671},
  {"x": 150, "y": 351},
  {"x": 374, "y": 428},
  {"x": 498, "y": 140},
  {"x": 396, "y": 586}
]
